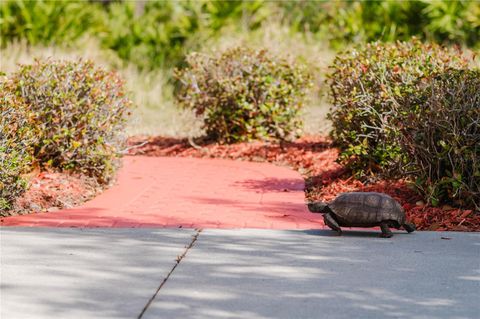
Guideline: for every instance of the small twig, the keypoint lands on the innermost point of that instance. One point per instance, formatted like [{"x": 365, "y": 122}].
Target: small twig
[
  {"x": 125, "y": 151},
  {"x": 195, "y": 145}
]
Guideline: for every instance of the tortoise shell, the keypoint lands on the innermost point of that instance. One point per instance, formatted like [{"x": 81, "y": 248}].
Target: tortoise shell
[{"x": 366, "y": 209}]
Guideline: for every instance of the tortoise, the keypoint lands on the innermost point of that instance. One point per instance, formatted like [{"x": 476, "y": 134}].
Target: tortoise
[{"x": 363, "y": 209}]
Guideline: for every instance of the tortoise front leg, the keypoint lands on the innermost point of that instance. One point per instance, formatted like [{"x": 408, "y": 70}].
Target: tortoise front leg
[
  {"x": 332, "y": 223},
  {"x": 409, "y": 227},
  {"x": 386, "y": 232}
]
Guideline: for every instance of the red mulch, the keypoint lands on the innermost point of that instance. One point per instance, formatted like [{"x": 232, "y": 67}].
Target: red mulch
[
  {"x": 314, "y": 158},
  {"x": 50, "y": 191}
]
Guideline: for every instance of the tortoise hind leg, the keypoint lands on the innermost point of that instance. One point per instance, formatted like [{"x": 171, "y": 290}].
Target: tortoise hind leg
[
  {"x": 386, "y": 232},
  {"x": 332, "y": 223},
  {"x": 409, "y": 227}
]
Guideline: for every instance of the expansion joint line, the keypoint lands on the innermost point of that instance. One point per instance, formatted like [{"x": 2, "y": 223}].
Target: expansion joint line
[{"x": 178, "y": 261}]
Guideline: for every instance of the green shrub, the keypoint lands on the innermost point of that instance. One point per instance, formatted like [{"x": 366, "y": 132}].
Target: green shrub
[
  {"x": 441, "y": 135},
  {"x": 157, "y": 37},
  {"x": 448, "y": 22},
  {"x": 244, "y": 94},
  {"x": 16, "y": 140},
  {"x": 48, "y": 22},
  {"x": 77, "y": 113},
  {"x": 366, "y": 85},
  {"x": 162, "y": 32}
]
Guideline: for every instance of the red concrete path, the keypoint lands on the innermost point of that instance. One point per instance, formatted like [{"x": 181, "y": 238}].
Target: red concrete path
[{"x": 199, "y": 193}]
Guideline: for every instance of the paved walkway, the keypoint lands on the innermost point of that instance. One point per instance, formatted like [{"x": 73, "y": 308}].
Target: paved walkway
[
  {"x": 192, "y": 193},
  {"x": 242, "y": 273}
]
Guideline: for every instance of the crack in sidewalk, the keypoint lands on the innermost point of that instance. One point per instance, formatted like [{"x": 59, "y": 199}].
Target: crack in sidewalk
[{"x": 178, "y": 261}]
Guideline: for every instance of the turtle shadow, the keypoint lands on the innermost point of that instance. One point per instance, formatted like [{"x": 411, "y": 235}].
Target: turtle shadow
[{"x": 350, "y": 233}]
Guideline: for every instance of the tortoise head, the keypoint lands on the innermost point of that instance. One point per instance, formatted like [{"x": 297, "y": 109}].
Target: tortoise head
[{"x": 318, "y": 207}]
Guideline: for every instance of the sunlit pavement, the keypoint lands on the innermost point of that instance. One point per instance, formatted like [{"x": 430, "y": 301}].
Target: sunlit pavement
[{"x": 243, "y": 273}]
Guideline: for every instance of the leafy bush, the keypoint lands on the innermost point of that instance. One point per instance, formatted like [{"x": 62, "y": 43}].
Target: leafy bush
[
  {"x": 153, "y": 38},
  {"x": 441, "y": 135},
  {"x": 365, "y": 21},
  {"x": 48, "y": 22},
  {"x": 77, "y": 112},
  {"x": 15, "y": 145},
  {"x": 244, "y": 94},
  {"x": 366, "y": 87}
]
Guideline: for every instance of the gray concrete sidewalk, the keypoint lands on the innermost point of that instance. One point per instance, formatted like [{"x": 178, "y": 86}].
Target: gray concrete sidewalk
[
  {"x": 84, "y": 273},
  {"x": 113, "y": 273}
]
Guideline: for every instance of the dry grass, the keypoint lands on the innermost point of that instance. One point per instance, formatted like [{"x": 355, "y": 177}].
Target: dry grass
[
  {"x": 20, "y": 53},
  {"x": 156, "y": 112}
]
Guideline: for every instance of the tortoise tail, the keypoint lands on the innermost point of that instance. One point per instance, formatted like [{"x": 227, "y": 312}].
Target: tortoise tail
[{"x": 409, "y": 227}]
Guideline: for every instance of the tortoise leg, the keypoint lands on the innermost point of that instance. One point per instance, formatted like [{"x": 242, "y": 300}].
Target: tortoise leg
[
  {"x": 332, "y": 223},
  {"x": 409, "y": 227},
  {"x": 386, "y": 232}
]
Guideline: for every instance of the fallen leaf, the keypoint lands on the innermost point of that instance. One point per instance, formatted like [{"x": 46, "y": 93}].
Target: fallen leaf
[{"x": 465, "y": 214}]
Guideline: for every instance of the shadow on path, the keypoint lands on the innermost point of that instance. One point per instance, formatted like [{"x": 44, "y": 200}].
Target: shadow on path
[{"x": 311, "y": 274}]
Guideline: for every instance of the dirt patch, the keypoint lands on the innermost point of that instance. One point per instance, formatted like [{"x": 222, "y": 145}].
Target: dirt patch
[
  {"x": 315, "y": 158},
  {"x": 51, "y": 191}
]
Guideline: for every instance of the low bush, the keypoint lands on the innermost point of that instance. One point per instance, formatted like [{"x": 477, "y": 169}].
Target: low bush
[
  {"x": 77, "y": 113},
  {"x": 244, "y": 94},
  {"x": 16, "y": 140},
  {"x": 441, "y": 135},
  {"x": 366, "y": 88}
]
